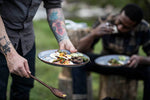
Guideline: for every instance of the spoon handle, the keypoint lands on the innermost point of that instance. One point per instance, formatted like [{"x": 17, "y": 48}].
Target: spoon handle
[
  {"x": 40, "y": 81},
  {"x": 55, "y": 91}
]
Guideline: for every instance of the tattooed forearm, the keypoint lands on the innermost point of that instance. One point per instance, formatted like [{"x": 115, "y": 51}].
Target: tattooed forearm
[
  {"x": 56, "y": 22},
  {"x": 5, "y": 47}
]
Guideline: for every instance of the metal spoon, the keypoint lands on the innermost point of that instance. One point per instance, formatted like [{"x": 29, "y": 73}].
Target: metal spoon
[{"x": 55, "y": 91}]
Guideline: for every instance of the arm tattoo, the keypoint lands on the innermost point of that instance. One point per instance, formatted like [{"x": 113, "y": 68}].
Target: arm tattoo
[
  {"x": 56, "y": 22},
  {"x": 5, "y": 48}
]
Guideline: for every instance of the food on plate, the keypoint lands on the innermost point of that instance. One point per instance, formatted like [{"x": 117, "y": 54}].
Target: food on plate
[
  {"x": 62, "y": 57},
  {"x": 122, "y": 58},
  {"x": 114, "y": 62}
]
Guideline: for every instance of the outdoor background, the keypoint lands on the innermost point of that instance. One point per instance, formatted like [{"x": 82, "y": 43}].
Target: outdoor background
[{"x": 78, "y": 11}]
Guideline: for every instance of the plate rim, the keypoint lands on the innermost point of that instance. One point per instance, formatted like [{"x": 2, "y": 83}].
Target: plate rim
[
  {"x": 111, "y": 65},
  {"x": 62, "y": 65}
]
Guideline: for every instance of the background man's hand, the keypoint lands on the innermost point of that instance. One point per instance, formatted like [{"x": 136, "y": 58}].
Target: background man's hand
[
  {"x": 101, "y": 30},
  {"x": 134, "y": 61}
]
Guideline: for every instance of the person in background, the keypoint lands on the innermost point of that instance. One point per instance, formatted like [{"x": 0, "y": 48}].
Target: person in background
[
  {"x": 131, "y": 32},
  {"x": 17, "y": 42}
]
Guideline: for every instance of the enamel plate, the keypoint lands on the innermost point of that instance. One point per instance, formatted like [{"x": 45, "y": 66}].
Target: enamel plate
[
  {"x": 104, "y": 60},
  {"x": 49, "y": 55}
]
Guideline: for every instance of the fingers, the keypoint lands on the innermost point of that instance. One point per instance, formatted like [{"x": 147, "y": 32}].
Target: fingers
[
  {"x": 67, "y": 45},
  {"x": 18, "y": 65},
  {"x": 133, "y": 62},
  {"x": 26, "y": 66},
  {"x": 61, "y": 46},
  {"x": 17, "y": 72},
  {"x": 72, "y": 50},
  {"x": 105, "y": 30},
  {"x": 21, "y": 70}
]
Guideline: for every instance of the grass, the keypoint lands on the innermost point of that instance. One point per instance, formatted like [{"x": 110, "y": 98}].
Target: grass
[{"x": 49, "y": 74}]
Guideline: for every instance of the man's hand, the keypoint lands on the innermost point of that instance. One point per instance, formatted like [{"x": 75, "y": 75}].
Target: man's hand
[
  {"x": 67, "y": 45},
  {"x": 134, "y": 61},
  {"x": 18, "y": 65},
  {"x": 101, "y": 30}
]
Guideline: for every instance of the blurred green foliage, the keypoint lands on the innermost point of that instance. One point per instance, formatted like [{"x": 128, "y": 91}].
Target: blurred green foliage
[{"x": 144, "y": 4}]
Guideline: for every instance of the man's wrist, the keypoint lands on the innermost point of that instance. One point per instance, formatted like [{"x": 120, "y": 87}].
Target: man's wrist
[
  {"x": 59, "y": 39},
  {"x": 144, "y": 60},
  {"x": 93, "y": 34}
]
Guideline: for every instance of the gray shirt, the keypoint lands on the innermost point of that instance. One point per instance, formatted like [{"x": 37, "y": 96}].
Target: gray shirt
[{"x": 17, "y": 16}]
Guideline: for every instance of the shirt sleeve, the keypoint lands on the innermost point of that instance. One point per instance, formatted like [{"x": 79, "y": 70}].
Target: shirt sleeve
[
  {"x": 52, "y": 4},
  {"x": 146, "y": 44}
]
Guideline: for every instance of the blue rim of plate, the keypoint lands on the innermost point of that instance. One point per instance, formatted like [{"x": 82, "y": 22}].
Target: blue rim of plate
[
  {"x": 44, "y": 56},
  {"x": 103, "y": 60}
]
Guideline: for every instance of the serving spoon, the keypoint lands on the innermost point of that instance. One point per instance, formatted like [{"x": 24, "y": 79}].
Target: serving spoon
[{"x": 55, "y": 91}]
